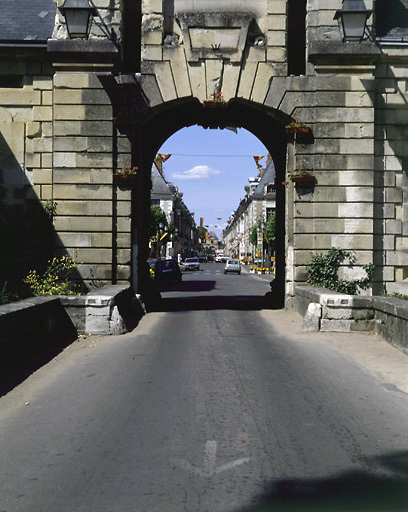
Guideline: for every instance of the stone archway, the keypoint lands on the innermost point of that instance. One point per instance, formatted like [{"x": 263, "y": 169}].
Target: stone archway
[{"x": 157, "y": 124}]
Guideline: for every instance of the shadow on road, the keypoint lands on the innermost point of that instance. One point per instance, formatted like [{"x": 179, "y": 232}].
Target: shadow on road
[
  {"x": 196, "y": 296},
  {"x": 354, "y": 491},
  {"x": 187, "y": 286},
  {"x": 213, "y": 302}
]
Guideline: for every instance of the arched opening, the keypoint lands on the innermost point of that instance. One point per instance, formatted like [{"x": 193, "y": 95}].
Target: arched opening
[{"x": 158, "y": 124}]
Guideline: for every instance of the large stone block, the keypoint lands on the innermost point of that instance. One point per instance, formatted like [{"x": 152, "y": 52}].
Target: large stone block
[
  {"x": 352, "y": 241},
  {"x": 71, "y": 80},
  {"x": 230, "y": 80},
  {"x": 357, "y": 146},
  {"x": 83, "y": 191},
  {"x": 19, "y": 97},
  {"x": 73, "y": 240},
  {"x": 87, "y": 128},
  {"x": 72, "y": 176},
  {"x": 42, "y": 113},
  {"x": 247, "y": 78},
  {"x": 197, "y": 78},
  {"x": 82, "y": 112},
  {"x": 152, "y": 53},
  {"x": 42, "y": 176},
  {"x": 355, "y": 210},
  {"x": 176, "y": 57},
  {"x": 83, "y": 224},
  {"x": 101, "y": 240}
]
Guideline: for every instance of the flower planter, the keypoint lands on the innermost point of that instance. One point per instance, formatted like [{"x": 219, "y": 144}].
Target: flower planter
[
  {"x": 125, "y": 180},
  {"x": 305, "y": 178},
  {"x": 297, "y": 129},
  {"x": 214, "y": 104}
]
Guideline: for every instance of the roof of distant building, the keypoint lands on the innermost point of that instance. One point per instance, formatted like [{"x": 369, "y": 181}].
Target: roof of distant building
[
  {"x": 160, "y": 187},
  {"x": 268, "y": 177},
  {"x": 26, "y": 20}
]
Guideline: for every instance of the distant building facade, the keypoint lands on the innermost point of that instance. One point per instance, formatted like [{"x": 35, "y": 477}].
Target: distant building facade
[
  {"x": 257, "y": 206},
  {"x": 166, "y": 196}
]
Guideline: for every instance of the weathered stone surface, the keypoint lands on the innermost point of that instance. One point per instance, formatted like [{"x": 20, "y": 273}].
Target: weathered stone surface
[{"x": 312, "y": 319}]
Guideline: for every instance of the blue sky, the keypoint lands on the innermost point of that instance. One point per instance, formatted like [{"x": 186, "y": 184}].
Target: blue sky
[{"x": 211, "y": 168}]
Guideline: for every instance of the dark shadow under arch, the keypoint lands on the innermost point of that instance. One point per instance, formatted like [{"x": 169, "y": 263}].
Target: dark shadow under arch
[{"x": 156, "y": 125}]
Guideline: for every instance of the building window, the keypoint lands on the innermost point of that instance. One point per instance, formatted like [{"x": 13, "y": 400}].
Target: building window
[
  {"x": 391, "y": 19},
  {"x": 155, "y": 202},
  {"x": 297, "y": 37},
  {"x": 269, "y": 213}
]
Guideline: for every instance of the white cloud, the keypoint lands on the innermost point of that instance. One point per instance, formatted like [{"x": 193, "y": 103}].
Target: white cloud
[{"x": 199, "y": 172}]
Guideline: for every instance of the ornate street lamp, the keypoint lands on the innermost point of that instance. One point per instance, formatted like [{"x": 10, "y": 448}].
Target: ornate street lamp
[
  {"x": 353, "y": 17},
  {"x": 78, "y": 16}
]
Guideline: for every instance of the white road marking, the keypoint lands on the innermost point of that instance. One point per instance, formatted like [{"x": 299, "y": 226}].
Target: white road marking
[{"x": 209, "y": 464}]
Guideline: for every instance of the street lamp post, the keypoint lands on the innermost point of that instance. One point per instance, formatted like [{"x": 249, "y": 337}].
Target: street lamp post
[
  {"x": 78, "y": 16},
  {"x": 353, "y": 17}
]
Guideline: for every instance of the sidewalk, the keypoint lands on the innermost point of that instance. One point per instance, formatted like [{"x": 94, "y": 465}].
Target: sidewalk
[{"x": 367, "y": 350}]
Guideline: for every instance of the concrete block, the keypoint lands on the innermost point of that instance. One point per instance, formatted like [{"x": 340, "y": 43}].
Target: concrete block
[
  {"x": 33, "y": 129},
  {"x": 337, "y": 313},
  {"x": 276, "y": 7},
  {"x": 276, "y": 54},
  {"x": 80, "y": 192},
  {"x": 42, "y": 113},
  {"x": 335, "y": 325},
  {"x": 151, "y": 90},
  {"x": 277, "y": 37},
  {"x": 33, "y": 160},
  {"x": 197, "y": 78},
  {"x": 101, "y": 240},
  {"x": 355, "y": 210},
  {"x": 230, "y": 80},
  {"x": 22, "y": 97},
  {"x": 42, "y": 176},
  {"x": 179, "y": 69},
  {"x": 71, "y": 80},
  {"x": 72, "y": 176},
  {"x": 46, "y": 160},
  {"x": 393, "y": 227},
  {"x": 152, "y": 53},
  {"x": 360, "y": 242},
  {"x": 42, "y": 145},
  {"x": 311, "y": 321},
  {"x": 65, "y": 160},
  {"x": 262, "y": 82}
]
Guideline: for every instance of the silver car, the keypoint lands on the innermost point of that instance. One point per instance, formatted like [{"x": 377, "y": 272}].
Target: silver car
[
  {"x": 191, "y": 264},
  {"x": 232, "y": 266}
]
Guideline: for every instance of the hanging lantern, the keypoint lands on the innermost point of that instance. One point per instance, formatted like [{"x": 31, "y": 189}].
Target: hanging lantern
[
  {"x": 78, "y": 17},
  {"x": 353, "y": 17}
]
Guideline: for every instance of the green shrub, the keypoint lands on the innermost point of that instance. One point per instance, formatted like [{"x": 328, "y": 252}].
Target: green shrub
[
  {"x": 55, "y": 279},
  {"x": 400, "y": 296},
  {"x": 4, "y": 294},
  {"x": 323, "y": 272}
]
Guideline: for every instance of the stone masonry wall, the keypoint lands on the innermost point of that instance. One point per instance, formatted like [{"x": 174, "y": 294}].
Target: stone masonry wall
[
  {"x": 94, "y": 217},
  {"x": 352, "y": 98},
  {"x": 25, "y": 160}
]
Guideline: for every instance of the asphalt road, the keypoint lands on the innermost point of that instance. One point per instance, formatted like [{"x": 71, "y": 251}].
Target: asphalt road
[{"x": 211, "y": 404}]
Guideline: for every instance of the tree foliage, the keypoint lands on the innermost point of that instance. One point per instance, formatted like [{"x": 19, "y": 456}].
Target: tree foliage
[{"x": 268, "y": 232}]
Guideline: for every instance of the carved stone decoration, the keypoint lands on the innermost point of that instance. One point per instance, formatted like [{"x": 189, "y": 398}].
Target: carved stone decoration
[{"x": 214, "y": 35}]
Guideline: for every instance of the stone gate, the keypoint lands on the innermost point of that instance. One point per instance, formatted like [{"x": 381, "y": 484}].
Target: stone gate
[{"x": 148, "y": 69}]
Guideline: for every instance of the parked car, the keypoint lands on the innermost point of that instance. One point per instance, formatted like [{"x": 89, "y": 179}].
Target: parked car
[
  {"x": 191, "y": 264},
  {"x": 232, "y": 266},
  {"x": 219, "y": 258},
  {"x": 167, "y": 270},
  {"x": 202, "y": 258}
]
